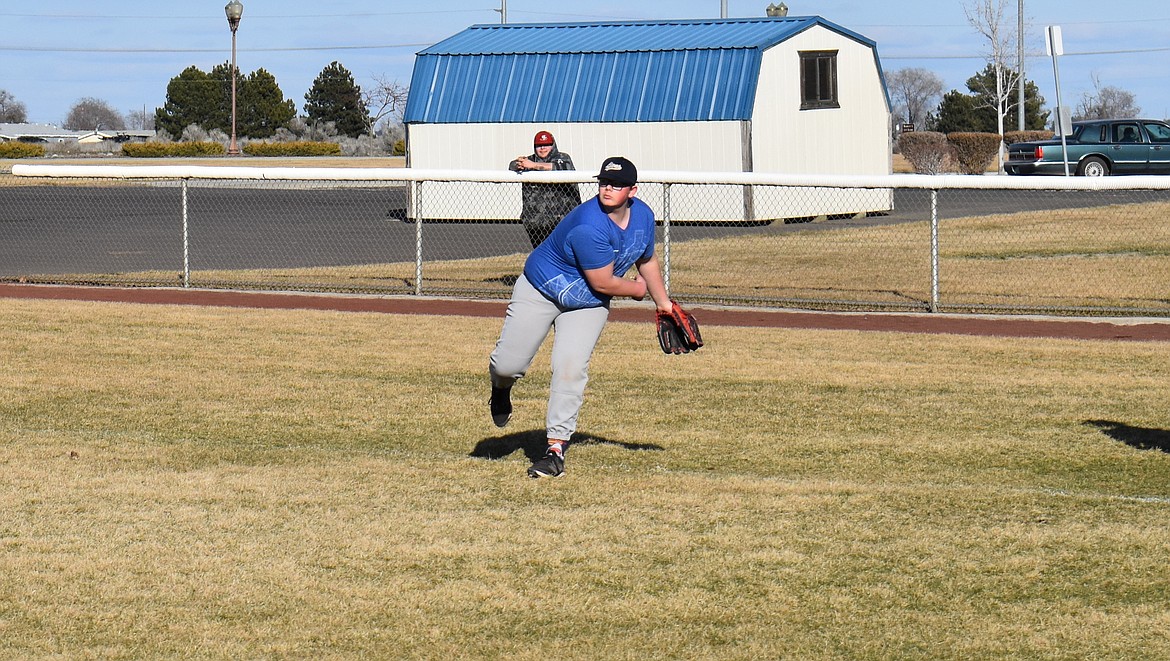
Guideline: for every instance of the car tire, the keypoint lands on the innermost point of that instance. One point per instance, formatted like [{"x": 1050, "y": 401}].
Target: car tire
[{"x": 1093, "y": 167}]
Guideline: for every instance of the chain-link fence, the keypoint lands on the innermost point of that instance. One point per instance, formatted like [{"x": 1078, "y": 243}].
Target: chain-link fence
[{"x": 904, "y": 242}]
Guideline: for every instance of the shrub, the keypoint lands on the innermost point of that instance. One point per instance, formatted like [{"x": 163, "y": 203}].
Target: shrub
[
  {"x": 21, "y": 150},
  {"x": 1012, "y": 137},
  {"x": 172, "y": 149},
  {"x": 974, "y": 151},
  {"x": 297, "y": 148},
  {"x": 926, "y": 151}
]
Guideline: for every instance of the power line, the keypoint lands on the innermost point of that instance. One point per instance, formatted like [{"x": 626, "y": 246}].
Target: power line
[
  {"x": 55, "y": 49},
  {"x": 1030, "y": 55},
  {"x": 251, "y": 16}
]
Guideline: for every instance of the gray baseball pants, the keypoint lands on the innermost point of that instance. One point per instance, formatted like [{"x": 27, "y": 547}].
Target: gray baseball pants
[{"x": 529, "y": 318}]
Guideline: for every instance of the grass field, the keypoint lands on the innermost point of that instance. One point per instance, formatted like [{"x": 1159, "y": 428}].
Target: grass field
[{"x": 186, "y": 482}]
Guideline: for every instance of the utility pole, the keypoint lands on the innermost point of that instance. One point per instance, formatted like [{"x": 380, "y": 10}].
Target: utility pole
[
  {"x": 504, "y": 11},
  {"x": 1020, "y": 59}
]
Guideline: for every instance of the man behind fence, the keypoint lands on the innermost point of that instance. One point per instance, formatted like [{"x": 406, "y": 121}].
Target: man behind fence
[{"x": 545, "y": 204}]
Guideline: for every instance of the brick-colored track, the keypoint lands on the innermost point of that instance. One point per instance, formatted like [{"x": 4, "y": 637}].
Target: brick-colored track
[{"x": 1148, "y": 330}]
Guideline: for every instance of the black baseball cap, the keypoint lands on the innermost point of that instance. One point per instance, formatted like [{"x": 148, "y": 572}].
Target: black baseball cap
[{"x": 618, "y": 169}]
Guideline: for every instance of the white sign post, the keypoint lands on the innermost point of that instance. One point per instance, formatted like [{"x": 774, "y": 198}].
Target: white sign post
[{"x": 1054, "y": 46}]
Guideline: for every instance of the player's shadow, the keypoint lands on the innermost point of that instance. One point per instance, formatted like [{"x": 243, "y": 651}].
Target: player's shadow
[
  {"x": 1142, "y": 438},
  {"x": 534, "y": 443}
]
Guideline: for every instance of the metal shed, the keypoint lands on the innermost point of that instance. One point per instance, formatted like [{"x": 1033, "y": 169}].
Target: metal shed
[{"x": 790, "y": 95}]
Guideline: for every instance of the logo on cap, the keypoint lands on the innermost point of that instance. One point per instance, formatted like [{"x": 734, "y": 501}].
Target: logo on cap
[{"x": 619, "y": 170}]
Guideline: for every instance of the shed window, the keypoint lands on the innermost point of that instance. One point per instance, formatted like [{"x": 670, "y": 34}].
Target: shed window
[{"x": 818, "y": 79}]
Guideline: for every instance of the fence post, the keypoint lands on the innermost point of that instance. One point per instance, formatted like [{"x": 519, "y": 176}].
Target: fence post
[
  {"x": 934, "y": 250},
  {"x": 415, "y": 191},
  {"x": 666, "y": 236},
  {"x": 186, "y": 242}
]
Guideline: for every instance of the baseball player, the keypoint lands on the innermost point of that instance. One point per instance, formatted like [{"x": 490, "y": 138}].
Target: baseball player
[{"x": 567, "y": 284}]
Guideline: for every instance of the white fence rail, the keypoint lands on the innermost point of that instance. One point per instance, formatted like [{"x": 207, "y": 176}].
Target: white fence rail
[{"x": 938, "y": 243}]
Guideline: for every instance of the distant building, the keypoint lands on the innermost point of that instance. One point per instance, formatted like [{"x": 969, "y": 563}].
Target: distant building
[
  {"x": 793, "y": 95},
  {"x": 36, "y": 133},
  {"x": 47, "y": 133}
]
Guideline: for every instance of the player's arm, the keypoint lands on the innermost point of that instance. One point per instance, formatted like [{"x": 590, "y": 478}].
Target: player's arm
[
  {"x": 651, "y": 275},
  {"x": 604, "y": 281}
]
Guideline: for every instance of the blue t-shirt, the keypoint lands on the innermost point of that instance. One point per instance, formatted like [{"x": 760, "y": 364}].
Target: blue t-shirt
[{"x": 585, "y": 239}]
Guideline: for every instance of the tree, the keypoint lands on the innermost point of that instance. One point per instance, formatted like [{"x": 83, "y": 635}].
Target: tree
[
  {"x": 987, "y": 17},
  {"x": 93, "y": 114},
  {"x": 11, "y": 110},
  {"x": 261, "y": 107},
  {"x": 335, "y": 97},
  {"x": 914, "y": 92},
  {"x": 388, "y": 99},
  {"x": 1106, "y": 103},
  {"x": 139, "y": 119},
  {"x": 205, "y": 100},
  {"x": 192, "y": 98},
  {"x": 982, "y": 85},
  {"x": 957, "y": 113},
  {"x": 976, "y": 112}
]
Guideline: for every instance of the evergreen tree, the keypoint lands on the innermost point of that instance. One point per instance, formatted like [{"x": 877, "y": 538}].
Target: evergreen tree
[
  {"x": 977, "y": 111},
  {"x": 335, "y": 97},
  {"x": 957, "y": 112},
  {"x": 982, "y": 85},
  {"x": 205, "y": 100},
  {"x": 261, "y": 107},
  {"x": 192, "y": 98}
]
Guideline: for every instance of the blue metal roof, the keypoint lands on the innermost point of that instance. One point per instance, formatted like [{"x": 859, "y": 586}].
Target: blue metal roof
[{"x": 683, "y": 70}]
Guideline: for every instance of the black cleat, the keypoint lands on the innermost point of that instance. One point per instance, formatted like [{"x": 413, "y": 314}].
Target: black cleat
[
  {"x": 550, "y": 465},
  {"x": 501, "y": 405}
]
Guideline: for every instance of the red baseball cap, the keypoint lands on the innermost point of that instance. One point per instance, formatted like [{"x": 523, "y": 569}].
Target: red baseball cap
[{"x": 543, "y": 138}]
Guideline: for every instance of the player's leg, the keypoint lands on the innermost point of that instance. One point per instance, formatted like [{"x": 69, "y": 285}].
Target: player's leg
[
  {"x": 577, "y": 332},
  {"x": 527, "y": 322}
]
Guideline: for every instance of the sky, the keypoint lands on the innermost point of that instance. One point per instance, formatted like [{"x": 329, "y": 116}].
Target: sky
[{"x": 55, "y": 52}]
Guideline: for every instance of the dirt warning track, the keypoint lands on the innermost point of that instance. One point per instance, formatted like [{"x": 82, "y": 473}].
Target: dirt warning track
[{"x": 1146, "y": 330}]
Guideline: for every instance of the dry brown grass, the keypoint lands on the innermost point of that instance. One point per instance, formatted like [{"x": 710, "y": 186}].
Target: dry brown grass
[
  {"x": 1109, "y": 256},
  {"x": 213, "y": 483}
]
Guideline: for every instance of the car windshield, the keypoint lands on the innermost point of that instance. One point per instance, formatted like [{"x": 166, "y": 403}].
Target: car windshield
[{"x": 1158, "y": 132}]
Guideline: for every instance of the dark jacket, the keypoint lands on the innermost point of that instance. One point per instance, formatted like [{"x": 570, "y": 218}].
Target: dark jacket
[{"x": 548, "y": 203}]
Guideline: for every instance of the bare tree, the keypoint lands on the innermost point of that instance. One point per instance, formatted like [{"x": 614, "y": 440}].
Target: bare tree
[
  {"x": 11, "y": 110},
  {"x": 987, "y": 17},
  {"x": 1106, "y": 103},
  {"x": 93, "y": 114},
  {"x": 140, "y": 119},
  {"x": 386, "y": 100},
  {"x": 914, "y": 93}
]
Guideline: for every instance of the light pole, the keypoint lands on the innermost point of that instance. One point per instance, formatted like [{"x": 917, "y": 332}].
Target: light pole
[
  {"x": 1020, "y": 58},
  {"x": 234, "y": 10}
]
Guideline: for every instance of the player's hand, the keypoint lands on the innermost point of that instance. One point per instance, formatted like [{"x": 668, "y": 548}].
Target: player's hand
[{"x": 639, "y": 281}]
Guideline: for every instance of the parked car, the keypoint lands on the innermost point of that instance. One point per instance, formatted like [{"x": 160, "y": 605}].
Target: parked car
[{"x": 1098, "y": 148}]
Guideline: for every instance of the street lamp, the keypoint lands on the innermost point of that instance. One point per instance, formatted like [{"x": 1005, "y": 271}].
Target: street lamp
[
  {"x": 234, "y": 10},
  {"x": 777, "y": 11}
]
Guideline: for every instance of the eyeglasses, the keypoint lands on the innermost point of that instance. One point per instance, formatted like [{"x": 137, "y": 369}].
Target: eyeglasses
[{"x": 612, "y": 185}]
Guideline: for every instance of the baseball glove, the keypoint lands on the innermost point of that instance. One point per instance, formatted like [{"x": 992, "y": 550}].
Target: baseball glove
[{"x": 678, "y": 332}]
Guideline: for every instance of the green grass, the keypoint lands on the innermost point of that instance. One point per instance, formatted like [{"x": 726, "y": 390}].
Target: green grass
[{"x": 212, "y": 483}]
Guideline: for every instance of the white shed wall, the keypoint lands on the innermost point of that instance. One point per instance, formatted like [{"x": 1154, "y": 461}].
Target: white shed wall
[
  {"x": 699, "y": 146},
  {"x": 851, "y": 139}
]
